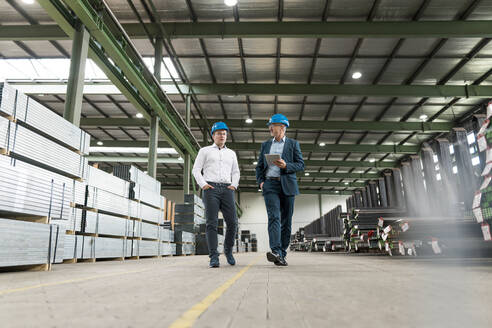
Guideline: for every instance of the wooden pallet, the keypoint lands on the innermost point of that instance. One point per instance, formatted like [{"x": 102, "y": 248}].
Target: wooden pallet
[
  {"x": 34, "y": 267},
  {"x": 32, "y": 218}
]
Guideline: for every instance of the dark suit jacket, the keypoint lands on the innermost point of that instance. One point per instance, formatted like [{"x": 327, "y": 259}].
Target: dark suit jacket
[{"x": 292, "y": 156}]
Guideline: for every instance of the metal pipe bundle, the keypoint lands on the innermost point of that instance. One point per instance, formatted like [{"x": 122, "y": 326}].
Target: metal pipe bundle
[
  {"x": 28, "y": 190},
  {"x": 30, "y": 243}
]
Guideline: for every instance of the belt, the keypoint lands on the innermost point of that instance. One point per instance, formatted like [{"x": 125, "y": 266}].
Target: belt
[
  {"x": 219, "y": 184},
  {"x": 273, "y": 178}
]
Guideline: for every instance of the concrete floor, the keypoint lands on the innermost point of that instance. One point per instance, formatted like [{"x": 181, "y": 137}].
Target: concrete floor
[{"x": 316, "y": 290}]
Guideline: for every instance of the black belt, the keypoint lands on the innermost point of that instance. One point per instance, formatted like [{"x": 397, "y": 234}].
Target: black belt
[{"x": 273, "y": 178}]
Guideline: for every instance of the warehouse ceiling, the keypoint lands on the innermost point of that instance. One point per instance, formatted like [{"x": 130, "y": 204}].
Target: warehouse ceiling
[{"x": 259, "y": 57}]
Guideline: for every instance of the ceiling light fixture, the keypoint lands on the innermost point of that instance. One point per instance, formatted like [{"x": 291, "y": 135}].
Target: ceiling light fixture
[
  {"x": 346, "y": 183},
  {"x": 423, "y": 117},
  {"x": 372, "y": 160},
  {"x": 357, "y": 75},
  {"x": 255, "y": 162},
  {"x": 28, "y": 2},
  {"x": 100, "y": 143},
  {"x": 306, "y": 174},
  {"x": 249, "y": 120},
  {"x": 139, "y": 115},
  {"x": 322, "y": 144},
  {"x": 230, "y": 3}
]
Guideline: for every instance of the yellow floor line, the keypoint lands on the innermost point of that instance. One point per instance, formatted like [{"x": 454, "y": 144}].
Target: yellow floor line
[
  {"x": 64, "y": 282},
  {"x": 189, "y": 317}
]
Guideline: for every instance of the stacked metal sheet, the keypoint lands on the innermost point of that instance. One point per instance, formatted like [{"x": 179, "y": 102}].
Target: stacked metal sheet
[
  {"x": 151, "y": 214},
  {"x": 30, "y": 146},
  {"x": 111, "y": 225},
  {"x": 79, "y": 192},
  {"x": 184, "y": 237},
  {"x": 185, "y": 249},
  {"x": 173, "y": 249},
  {"x": 131, "y": 173},
  {"x": 29, "y": 190},
  {"x": 166, "y": 235},
  {"x": 149, "y": 231},
  {"x": 131, "y": 248},
  {"x": 85, "y": 221},
  {"x": 148, "y": 248},
  {"x": 30, "y": 243},
  {"x": 31, "y": 113},
  {"x": 85, "y": 246},
  {"x": 108, "y": 247},
  {"x": 7, "y": 100},
  {"x": 70, "y": 249},
  {"x": 133, "y": 228},
  {"x": 106, "y": 201},
  {"x": 148, "y": 196},
  {"x": 190, "y": 215},
  {"x": 166, "y": 249},
  {"x": 106, "y": 181}
]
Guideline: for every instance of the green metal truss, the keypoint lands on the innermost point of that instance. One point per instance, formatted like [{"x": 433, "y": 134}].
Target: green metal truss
[
  {"x": 421, "y": 29},
  {"x": 126, "y": 69},
  {"x": 431, "y": 127},
  {"x": 238, "y": 146}
]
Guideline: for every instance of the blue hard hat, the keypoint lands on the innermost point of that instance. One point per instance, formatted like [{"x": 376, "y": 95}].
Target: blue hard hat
[
  {"x": 279, "y": 118},
  {"x": 219, "y": 126}
]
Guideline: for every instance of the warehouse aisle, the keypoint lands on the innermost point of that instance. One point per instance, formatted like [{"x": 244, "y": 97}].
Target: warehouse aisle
[{"x": 316, "y": 290}]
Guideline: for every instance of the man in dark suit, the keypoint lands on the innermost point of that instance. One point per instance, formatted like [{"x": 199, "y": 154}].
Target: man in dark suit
[{"x": 278, "y": 183}]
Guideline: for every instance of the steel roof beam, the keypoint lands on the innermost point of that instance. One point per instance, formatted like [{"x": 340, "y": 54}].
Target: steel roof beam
[{"x": 420, "y": 29}]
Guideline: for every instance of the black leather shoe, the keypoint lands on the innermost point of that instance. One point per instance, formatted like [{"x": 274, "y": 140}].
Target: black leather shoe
[
  {"x": 272, "y": 257},
  {"x": 281, "y": 262}
]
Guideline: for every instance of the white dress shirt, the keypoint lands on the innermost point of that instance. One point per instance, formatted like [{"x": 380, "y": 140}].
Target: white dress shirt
[{"x": 218, "y": 165}]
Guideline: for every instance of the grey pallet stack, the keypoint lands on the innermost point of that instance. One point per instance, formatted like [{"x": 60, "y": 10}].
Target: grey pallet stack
[
  {"x": 102, "y": 180},
  {"x": 185, "y": 243},
  {"x": 173, "y": 249},
  {"x": 109, "y": 247},
  {"x": 107, "y": 202},
  {"x": 110, "y": 225},
  {"x": 166, "y": 249},
  {"x": 70, "y": 249},
  {"x": 190, "y": 215},
  {"x": 201, "y": 246},
  {"x": 30, "y": 243},
  {"x": 151, "y": 214},
  {"x": 149, "y": 231},
  {"x": 148, "y": 248}
]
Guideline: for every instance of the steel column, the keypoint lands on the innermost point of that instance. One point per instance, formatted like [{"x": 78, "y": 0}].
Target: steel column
[
  {"x": 466, "y": 172},
  {"x": 153, "y": 142},
  {"x": 431, "y": 181},
  {"x": 75, "y": 85},
  {"x": 421, "y": 196},
  {"x": 320, "y": 201},
  {"x": 187, "y": 157},
  {"x": 397, "y": 187},
  {"x": 409, "y": 188},
  {"x": 382, "y": 192}
]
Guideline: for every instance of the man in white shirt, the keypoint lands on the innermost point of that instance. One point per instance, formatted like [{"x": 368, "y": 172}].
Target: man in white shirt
[{"x": 217, "y": 172}]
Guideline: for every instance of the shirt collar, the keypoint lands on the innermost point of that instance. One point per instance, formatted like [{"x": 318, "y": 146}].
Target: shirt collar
[
  {"x": 283, "y": 140},
  {"x": 215, "y": 146}
]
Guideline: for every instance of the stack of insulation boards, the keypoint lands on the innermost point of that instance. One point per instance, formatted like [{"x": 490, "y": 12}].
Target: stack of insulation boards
[
  {"x": 30, "y": 243},
  {"x": 185, "y": 243},
  {"x": 190, "y": 215}
]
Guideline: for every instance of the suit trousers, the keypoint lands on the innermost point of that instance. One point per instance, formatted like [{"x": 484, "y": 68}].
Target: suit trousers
[{"x": 280, "y": 209}]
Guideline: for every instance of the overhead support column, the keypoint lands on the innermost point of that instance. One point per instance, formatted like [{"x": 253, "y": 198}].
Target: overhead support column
[
  {"x": 320, "y": 202},
  {"x": 75, "y": 85},
  {"x": 408, "y": 187},
  {"x": 430, "y": 180},
  {"x": 422, "y": 204},
  {"x": 397, "y": 185},
  {"x": 466, "y": 172},
  {"x": 390, "y": 190},
  {"x": 154, "y": 120},
  {"x": 383, "y": 198},
  {"x": 187, "y": 157}
]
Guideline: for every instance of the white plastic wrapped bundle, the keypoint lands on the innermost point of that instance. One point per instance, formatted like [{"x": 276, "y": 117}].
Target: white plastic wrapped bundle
[
  {"x": 108, "y": 182},
  {"x": 150, "y": 231}
]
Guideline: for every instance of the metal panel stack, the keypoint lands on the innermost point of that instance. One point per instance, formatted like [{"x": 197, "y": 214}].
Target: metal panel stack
[
  {"x": 185, "y": 243},
  {"x": 30, "y": 243}
]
